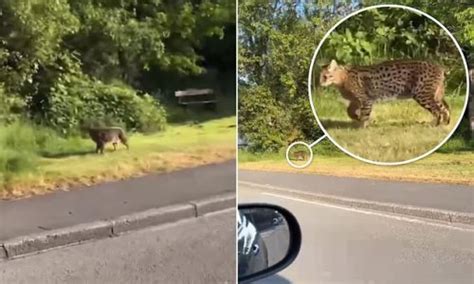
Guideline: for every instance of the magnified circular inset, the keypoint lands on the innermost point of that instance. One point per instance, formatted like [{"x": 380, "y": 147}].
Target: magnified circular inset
[
  {"x": 299, "y": 155},
  {"x": 388, "y": 84}
]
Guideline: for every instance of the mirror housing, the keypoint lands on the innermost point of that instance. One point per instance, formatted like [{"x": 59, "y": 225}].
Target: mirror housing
[{"x": 275, "y": 226}]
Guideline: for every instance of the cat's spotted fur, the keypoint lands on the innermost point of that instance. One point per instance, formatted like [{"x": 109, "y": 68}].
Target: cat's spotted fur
[{"x": 401, "y": 79}]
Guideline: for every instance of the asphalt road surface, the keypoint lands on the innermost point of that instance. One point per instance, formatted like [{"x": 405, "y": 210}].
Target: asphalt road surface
[
  {"x": 342, "y": 245},
  {"x": 112, "y": 199},
  {"x": 200, "y": 250},
  {"x": 441, "y": 196}
]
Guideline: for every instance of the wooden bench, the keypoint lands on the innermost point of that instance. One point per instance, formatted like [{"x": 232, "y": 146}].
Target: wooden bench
[{"x": 197, "y": 97}]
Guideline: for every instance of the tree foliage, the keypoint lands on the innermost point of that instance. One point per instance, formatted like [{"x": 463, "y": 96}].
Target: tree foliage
[
  {"x": 276, "y": 43},
  {"x": 263, "y": 118},
  {"x": 123, "y": 38},
  {"x": 277, "y": 40},
  {"x": 63, "y": 58},
  {"x": 394, "y": 33}
]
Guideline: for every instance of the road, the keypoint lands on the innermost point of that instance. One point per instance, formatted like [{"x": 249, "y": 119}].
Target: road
[
  {"x": 451, "y": 197},
  {"x": 109, "y": 200},
  {"x": 342, "y": 245},
  {"x": 200, "y": 250}
]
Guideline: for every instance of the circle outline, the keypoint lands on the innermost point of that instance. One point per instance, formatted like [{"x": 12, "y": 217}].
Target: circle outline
[
  {"x": 310, "y": 160},
  {"x": 314, "y": 109}
]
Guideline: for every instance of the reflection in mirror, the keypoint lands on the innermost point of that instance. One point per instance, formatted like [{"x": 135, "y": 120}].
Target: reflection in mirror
[{"x": 263, "y": 239}]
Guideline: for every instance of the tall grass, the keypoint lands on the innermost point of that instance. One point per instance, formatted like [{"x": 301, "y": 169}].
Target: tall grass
[
  {"x": 17, "y": 151},
  {"x": 22, "y": 145}
]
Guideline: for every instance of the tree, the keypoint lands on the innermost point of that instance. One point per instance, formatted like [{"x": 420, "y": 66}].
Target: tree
[
  {"x": 276, "y": 43},
  {"x": 56, "y": 53},
  {"x": 122, "y": 39}
]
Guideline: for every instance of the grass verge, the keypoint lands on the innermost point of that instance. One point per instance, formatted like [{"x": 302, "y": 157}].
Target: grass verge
[
  {"x": 64, "y": 163},
  {"x": 453, "y": 168}
]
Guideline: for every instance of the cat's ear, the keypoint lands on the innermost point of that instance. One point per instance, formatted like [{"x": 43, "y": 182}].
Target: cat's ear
[{"x": 333, "y": 65}]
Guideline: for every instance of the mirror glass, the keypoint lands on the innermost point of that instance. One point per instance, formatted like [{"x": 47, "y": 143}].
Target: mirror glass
[{"x": 263, "y": 239}]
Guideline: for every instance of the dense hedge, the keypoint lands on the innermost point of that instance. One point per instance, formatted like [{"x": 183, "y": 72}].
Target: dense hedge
[
  {"x": 264, "y": 119},
  {"x": 84, "y": 102}
]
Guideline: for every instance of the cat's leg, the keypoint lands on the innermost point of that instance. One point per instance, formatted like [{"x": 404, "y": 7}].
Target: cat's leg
[
  {"x": 360, "y": 112},
  {"x": 353, "y": 110},
  {"x": 365, "y": 111},
  {"x": 436, "y": 108}
]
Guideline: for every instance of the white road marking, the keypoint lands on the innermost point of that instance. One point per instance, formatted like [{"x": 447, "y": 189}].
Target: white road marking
[{"x": 367, "y": 212}]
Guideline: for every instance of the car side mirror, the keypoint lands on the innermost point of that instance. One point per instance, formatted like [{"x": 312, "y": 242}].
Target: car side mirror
[{"x": 269, "y": 239}]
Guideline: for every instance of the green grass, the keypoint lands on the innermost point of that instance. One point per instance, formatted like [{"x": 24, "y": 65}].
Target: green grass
[
  {"x": 398, "y": 130},
  {"x": 35, "y": 160},
  {"x": 456, "y": 168},
  {"x": 245, "y": 156}
]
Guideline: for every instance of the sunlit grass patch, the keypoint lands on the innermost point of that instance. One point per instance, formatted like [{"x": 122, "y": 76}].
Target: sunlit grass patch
[
  {"x": 456, "y": 168},
  {"x": 61, "y": 163},
  {"x": 398, "y": 130}
]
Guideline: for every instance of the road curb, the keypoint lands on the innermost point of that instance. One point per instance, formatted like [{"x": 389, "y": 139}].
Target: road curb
[
  {"x": 35, "y": 243},
  {"x": 152, "y": 217},
  {"x": 216, "y": 203},
  {"x": 55, "y": 238},
  {"x": 422, "y": 212}
]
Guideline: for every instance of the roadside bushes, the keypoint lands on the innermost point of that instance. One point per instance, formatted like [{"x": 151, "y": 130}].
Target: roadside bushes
[
  {"x": 77, "y": 101},
  {"x": 270, "y": 124},
  {"x": 262, "y": 120}
]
